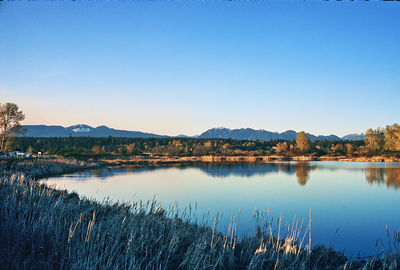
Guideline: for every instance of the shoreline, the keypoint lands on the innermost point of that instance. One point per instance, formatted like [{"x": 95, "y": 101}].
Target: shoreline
[
  {"x": 70, "y": 164},
  {"x": 236, "y": 159}
]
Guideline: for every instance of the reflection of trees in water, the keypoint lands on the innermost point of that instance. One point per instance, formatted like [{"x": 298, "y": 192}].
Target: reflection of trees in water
[
  {"x": 388, "y": 176},
  {"x": 302, "y": 170},
  {"x": 284, "y": 167},
  {"x": 374, "y": 175},
  {"x": 97, "y": 173},
  {"x": 222, "y": 170},
  {"x": 218, "y": 170},
  {"x": 105, "y": 173},
  {"x": 130, "y": 169},
  {"x": 393, "y": 177}
]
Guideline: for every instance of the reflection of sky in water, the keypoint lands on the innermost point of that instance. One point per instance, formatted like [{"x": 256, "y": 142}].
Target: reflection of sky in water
[{"x": 359, "y": 198}]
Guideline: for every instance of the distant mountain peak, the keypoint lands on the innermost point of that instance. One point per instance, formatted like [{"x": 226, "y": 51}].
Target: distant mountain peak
[
  {"x": 260, "y": 134},
  {"x": 354, "y": 137},
  {"x": 80, "y": 128}
]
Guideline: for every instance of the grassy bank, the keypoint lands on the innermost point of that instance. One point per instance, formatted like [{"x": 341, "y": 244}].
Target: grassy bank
[{"x": 44, "y": 228}]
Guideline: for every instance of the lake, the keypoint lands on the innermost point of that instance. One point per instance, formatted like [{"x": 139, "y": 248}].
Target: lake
[{"x": 351, "y": 203}]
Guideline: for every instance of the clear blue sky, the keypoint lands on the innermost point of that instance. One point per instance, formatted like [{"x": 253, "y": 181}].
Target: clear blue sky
[{"x": 180, "y": 67}]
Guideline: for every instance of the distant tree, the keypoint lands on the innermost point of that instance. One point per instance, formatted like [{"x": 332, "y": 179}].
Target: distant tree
[
  {"x": 199, "y": 150},
  {"x": 361, "y": 150},
  {"x": 281, "y": 147},
  {"x": 320, "y": 149},
  {"x": 224, "y": 149},
  {"x": 10, "y": 118},
  {"x": 338, "y": 148},
  {"x": 96, "y": 149},
  {"x": 30, "y": 150},
  {"x": 130, "y": 148},
  {"x": 349, "y": 148},
  {"x": 291, "y": 147},
  {"x": 374, "y": 140},
  {"x": 303, "y": 143},
  {"x": 122, "y": 150},
  {"x": 392, "y": 138},
  {"x": 207, "y": 145}
]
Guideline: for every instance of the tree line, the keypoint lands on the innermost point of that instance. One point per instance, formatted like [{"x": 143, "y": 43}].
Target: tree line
[
  {"x": 374, "y": 144},
  {"x": 91, "y": 146},
  {"x": 380, "y": 141},
  {"x": 383, "y": 140},
  {"x": 106, "y": 146}
]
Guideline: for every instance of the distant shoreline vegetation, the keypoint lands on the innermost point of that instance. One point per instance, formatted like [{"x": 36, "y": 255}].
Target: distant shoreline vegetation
[{"x": 376, "y": 143}]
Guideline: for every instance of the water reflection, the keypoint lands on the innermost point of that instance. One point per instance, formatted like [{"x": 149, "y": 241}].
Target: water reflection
[
  {"x": 301, "y": 169},
  {"x": 215, "y": 170},
  {"x": 105, "y": 173},
  {"x": 387, "y": 176},
  {"x": 302, "y": 175},
  {"x": 374, "y": 173}
]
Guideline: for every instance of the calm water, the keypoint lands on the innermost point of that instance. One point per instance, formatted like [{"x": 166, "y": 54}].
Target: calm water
[{"x": 351, "y": 202}]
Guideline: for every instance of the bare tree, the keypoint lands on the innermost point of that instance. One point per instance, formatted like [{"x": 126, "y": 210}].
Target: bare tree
[{"x": 10, "y": 118}]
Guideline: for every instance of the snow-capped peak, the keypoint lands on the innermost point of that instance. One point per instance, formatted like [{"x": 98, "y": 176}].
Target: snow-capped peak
[{"x": 80, "y": 128}]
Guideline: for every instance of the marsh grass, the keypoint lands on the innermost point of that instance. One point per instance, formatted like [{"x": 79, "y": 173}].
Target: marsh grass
[{"x": 46, "y": 228}]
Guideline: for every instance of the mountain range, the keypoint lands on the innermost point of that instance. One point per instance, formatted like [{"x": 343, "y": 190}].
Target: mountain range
[{"x": 82, "y": 130}]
